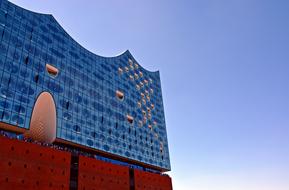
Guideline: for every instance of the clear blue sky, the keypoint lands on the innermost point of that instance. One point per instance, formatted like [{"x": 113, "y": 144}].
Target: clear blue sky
[{"x": 225, "y": 76}]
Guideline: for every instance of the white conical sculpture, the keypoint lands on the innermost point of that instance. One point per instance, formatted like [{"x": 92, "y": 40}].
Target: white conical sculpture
[{"x": 43, "y": 119}]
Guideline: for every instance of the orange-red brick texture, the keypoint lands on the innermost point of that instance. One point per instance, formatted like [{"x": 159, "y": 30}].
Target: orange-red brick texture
[
  {"x": 27, "y": 166},
  {"x": 95, "y": 174}
]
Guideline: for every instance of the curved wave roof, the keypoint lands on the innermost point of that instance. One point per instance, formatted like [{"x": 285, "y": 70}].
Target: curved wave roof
[{"x": 126, "y": 53}]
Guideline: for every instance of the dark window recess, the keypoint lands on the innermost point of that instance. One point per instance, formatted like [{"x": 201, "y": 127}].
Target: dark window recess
[
  {"x": 36, "y": 78},
  {"x": 93, "y": 134},
  {"x": 101, "y": 119},
  {"x": 26, "y": 60},
  {"x": 131, "y": 179},
  {"x": 19, "y": 109},
  {"x": 116, "y": 125},
  {"x": 74, "y": 172},
  {"x": 9, "y": 80},
  {"x": 31, "y": 34},
  {"x": 76, "y": 128},
  {"x": 67, "y": 105}
]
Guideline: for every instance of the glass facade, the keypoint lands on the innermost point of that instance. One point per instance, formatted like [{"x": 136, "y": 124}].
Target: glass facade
[{"x": 110, "y": 104}]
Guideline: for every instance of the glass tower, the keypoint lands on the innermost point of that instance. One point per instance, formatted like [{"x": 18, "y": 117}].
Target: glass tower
[{"x": 109, "y": 104}]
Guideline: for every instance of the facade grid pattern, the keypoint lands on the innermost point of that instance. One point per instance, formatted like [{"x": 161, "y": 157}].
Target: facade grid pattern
[{"x": 111, "y": 104}]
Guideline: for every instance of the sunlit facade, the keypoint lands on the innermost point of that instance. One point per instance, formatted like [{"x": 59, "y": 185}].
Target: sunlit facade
[{"x": 108, "y": 104}]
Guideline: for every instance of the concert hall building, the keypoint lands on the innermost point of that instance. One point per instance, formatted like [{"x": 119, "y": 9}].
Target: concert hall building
[{"x": 71, "y": 119}]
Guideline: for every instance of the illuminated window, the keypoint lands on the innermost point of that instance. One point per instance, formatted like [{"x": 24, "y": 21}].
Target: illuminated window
[
  {"x": 139, "y": 104},
  {"x": 136, "y": 66},
  {"x": 151, "y": 81},
  {"x": 152, "y": 106},
  {"x": 120, "y": 71},
  {"x": 126, "y": 69},
  {"x": 129, "y": 119},
  {"x": 149, "y": 116},
  {"x": 119, "y": 95},
  {"x": 150, "y": 127},
  {"x": 144, "y": 101},
  {"x": 131, "y": 67},
  {"x": 130, "y": 61},
  {"x": 140, "y": 74},
  {"x": 146, "y": 82},
  {"x": 136, "y": 76},
  {"x": 131, "y": 77},
  {"x": 148, "y": 98},
  {"x": 137, "y": 87},
  {"x": 51, "y": 70},
  {"x": 142, "y": 95},
  {"x": 144, "y": 120}
]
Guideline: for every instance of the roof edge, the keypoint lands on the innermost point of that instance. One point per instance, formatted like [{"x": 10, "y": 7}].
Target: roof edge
[{"x": 123, "y": 53}]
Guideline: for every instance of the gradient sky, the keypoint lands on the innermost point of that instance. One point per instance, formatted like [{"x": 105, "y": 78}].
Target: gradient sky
[{"x": 224, "y": 68}]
